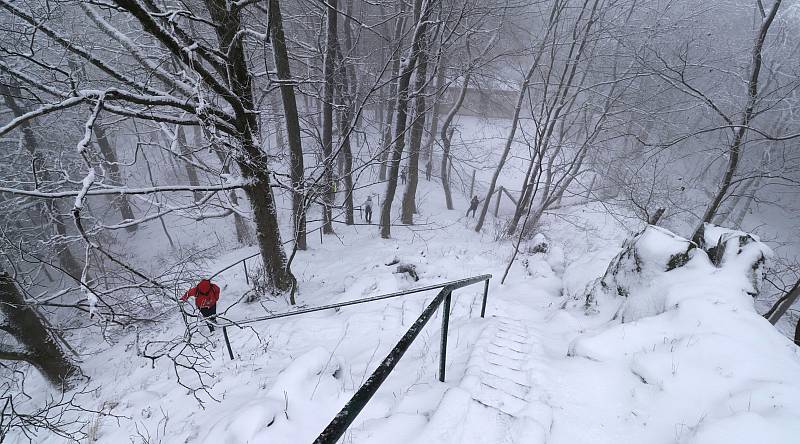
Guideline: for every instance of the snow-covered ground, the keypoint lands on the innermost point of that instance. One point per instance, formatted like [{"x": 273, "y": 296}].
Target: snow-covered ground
[{"x": 703, "y": 368}]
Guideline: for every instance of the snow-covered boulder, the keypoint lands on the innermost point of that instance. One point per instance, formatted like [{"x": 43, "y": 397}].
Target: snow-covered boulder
[
  {"x": 636, "y": 280},
  {"x": 691, "y": 361}
]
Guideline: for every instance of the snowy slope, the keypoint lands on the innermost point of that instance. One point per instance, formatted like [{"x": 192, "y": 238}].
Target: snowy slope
[{"x": 706, "y": 369}]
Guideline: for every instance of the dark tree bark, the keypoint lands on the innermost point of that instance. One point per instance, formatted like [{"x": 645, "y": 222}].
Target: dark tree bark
[
  {"x": 346, "y": 97},
  {"x": 51, "y": 208},
  {"x": 797, "y": 333},
  {"x": 112, "y": 166},
  {"x": 252, "y": 161},
  {"x": 349, "y": 67},
  {"x": 387, "y": 135},
  {"x": 281, "y": 56},
  {"x": 447, "y": 137},
  {"x": 327, "y": 114},
  {"x": 783, "y": 304},
  {"x": 277, "y": 110},
  {"x": 417, "y": 128},
  {"x": 402, "y": 112},
  {"x": 40, "y": 347},
  {"x": 434, "y": 128}
]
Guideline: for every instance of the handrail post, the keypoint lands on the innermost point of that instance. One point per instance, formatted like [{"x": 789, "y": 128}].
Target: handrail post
[
  {"x": 485, "y": 296},
  {"x": 227, "y": 342},
  {"x": 445, "y": 325}
]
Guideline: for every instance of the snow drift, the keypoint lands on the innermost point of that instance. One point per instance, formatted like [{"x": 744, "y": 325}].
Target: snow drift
[{"x": 703, "y": 366}]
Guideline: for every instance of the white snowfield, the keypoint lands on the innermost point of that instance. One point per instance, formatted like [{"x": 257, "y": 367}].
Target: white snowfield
[{"x": 692, "y": 362}]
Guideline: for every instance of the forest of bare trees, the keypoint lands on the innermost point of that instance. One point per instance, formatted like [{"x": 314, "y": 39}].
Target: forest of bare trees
[{"x": 126, "y": 124}]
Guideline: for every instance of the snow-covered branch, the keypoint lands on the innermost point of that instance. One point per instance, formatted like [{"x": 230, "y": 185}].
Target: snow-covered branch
[{"x": 123, "y": 190}]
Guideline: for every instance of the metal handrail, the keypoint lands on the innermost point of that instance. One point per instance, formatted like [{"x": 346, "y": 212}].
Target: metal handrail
[
  {"x": 347, "y": 415},
  {"x": 355, "y": 302}
]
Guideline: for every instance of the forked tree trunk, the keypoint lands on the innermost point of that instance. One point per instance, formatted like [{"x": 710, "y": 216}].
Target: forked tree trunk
[
  {"x": 250, "y": 157},
  {"x": 281, "y": 56},
  {"x": 402, "y": 113},
  {"x": 417, "y": 127},
  {"x": 555, "y": 13},
  {"x": 40, "y": 347}
]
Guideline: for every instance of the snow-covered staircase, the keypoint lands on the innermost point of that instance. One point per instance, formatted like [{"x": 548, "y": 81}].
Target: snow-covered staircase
[{"x": 500, "y": 398}]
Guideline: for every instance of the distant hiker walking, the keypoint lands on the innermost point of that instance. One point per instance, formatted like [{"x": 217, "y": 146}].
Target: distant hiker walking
[
  {"x": 403, "y": 176},
  {"x": 206, "y": 295},
  {"x": 473, "y": 206},
  {"x": 368, "y": 209}
]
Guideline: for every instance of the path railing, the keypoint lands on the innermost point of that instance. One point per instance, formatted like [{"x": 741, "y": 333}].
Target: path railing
[
  {"x": 338, "y": 426},
  {"x": 345, "y": 417}
]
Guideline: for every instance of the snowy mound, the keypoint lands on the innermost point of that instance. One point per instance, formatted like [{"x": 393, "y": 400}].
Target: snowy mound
[
  {"x": 638, "y": 278},
  {"x": 703, "y": 366}
]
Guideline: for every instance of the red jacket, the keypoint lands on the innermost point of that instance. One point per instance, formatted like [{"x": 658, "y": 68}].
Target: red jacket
[{"x": 205, "y": 294}]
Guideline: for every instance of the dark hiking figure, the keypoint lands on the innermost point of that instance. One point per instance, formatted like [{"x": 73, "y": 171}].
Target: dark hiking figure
[
  {"x": 368, "y": 210},
  {"x": 473, "y": 205},
  {"x": 206, "y": 296},
  {"x": 403, "y": 176}
]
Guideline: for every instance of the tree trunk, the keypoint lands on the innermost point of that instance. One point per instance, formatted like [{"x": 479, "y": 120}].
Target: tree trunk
[
  {"x": 509, "y": 140},
  {"x": 277, "y": 121},
  {"x": 402, "y": 111},
  {"x": 281, "y": 57},
  {"x": 186, "y": 154},
  {"x": 387, "y": 135},
  {"x": 243, "y": 234},
  {"x": 51, "y": 208},
  {"x": 783, "y": 304},
  {"x": 41, "y": 348},
  {"x": 447, "y": 137},
  {"x": 327, "y": 115},
  {"x": 434, "y": 128},
  {"x": 734, "y": 152},
  {"x": 797, "y": 333},
  {"x": 555, "y": 13},
  {"x": 417, "y": 127},
  {"x": 251, "y": 159},
  {"x": 114, "y": 174},
  {"x": 347, "y": 100}
]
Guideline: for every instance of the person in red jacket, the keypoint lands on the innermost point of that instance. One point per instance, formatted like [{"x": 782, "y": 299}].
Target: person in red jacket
[{"x": 206, "y": 295}]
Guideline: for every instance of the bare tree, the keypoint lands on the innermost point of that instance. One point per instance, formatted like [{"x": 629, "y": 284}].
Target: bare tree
[
  {"x": 422, "y": 10},
  {"x": 292, "y": 120}
]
